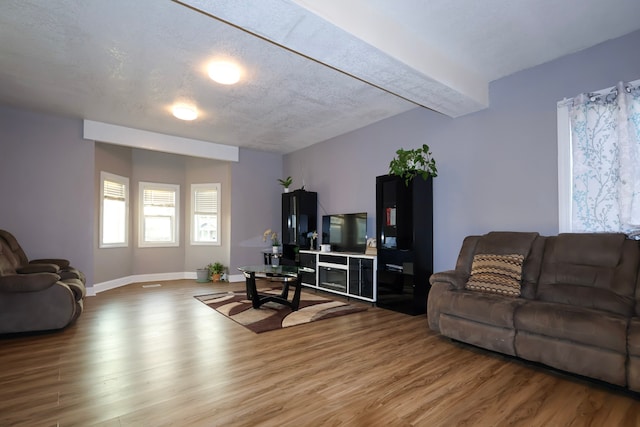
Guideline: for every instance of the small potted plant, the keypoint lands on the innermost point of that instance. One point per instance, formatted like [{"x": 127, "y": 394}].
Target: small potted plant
[
  {"x": 409, "y": 163},
  {"x": 216, "y": 269},
  {"x": 286, "y": 182}
]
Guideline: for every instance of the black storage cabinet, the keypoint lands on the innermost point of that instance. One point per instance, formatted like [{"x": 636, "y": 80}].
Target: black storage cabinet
[
  {"x": 299, "y": 217},
  {"x": 404, "y": 233}
]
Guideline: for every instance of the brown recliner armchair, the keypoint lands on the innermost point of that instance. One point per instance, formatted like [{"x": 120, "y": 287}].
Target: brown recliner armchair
[
  {"x": 24, "y": 265},
  {"x": 36, "y": 295}
]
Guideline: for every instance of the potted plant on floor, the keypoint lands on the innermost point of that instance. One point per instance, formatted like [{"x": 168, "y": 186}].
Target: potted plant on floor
[
  {"x": 410, "y": 163},
  {"x": 216, "y": 269},
  {"x": 203, "y": 275}
]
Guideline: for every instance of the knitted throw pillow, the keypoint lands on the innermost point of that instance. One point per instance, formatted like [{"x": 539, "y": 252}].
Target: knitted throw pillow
[{"x": 499, "y": 274}]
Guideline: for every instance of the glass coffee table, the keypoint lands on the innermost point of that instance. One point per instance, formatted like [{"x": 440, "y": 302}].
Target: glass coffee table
[{"x": 290, "y": 275}]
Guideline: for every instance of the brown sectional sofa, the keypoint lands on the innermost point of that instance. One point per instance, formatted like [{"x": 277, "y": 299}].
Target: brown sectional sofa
[
  {"x": 36, "y": 295},
  {"x": 578, "y": 308}
]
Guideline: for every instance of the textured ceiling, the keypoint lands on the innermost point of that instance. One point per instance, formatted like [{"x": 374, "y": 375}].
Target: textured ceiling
[{"x": 313, "y": 69}]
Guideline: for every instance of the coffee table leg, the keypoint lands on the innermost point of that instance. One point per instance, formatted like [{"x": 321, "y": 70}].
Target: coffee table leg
[
  {"x": 252, "y": 292},
  {"x": 285, "y": 288},
  {"x": 295, "y": 302}
]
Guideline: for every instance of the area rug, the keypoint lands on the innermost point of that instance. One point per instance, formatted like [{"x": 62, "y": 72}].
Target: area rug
[{"x": 271, "y": 316}]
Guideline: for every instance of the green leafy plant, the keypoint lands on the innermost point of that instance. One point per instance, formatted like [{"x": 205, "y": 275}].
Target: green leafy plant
[
  {"x": 285, "y": 182},
  {"x": 410, "y": 163},
  {"x": 216, "y": 268}
]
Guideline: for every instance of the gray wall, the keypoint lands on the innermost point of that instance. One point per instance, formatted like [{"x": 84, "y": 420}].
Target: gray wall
[
  {"x": 163, "y": 168},
  {"x": 497, "y": 168},
  {"x": 112, "y": 263},
  {"x": 256, "y": 205},
  {"x": 200, "y": 171},
  {"x": 46, "y": 186}
]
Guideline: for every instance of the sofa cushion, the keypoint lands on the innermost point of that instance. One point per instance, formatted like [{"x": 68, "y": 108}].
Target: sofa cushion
[
  {"x": 500, "y": 274},
  {"x": 634, "y": 338},
  {"x": 633, "y": 366},
  {"x": 596, "y": 249},
  {"x": 581, "y": 359},
  {"x": 479, "y": 334},
  {"x": 571, "y": 323},
  {"x": 587, "y": 297},
  {"x": 8, "y": 261},
  {"x": 491, "y": 309},
  {"x": 601, "y": 276},
  {"x": 506, "y": 242}
]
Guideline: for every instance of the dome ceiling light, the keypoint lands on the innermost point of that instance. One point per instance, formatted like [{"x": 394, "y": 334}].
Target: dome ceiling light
[
  {"x": 185, "y": 112},
  {"x": 225, "y": 73}
]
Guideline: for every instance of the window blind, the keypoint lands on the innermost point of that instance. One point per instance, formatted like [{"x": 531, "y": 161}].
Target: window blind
[
  {"x": 206, "y": 201},
  {"x": 156, "y": 197},
  {"x": 114, "y": 190}
]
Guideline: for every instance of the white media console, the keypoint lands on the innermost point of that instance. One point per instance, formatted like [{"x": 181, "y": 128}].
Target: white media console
[{"x": 345, "y": 273}]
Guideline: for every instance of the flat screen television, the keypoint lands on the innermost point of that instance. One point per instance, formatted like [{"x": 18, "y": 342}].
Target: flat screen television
[{"x": 345, "y": 232}]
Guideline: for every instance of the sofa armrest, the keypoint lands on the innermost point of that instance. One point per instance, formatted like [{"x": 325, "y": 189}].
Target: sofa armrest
[
  {"x": 27, "y": 282},
  {"x": 76, "y": 285},
  {"x": 453, "y": 278},
  {"x": 442, "y": 284},
  {"x": 72, "y": 273},
  {"x": 60, "y": 262},
  {"x": 38, "y": 268}
]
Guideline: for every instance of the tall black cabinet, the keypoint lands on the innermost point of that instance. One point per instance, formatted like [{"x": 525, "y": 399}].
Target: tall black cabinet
[
  {"x": 404, "y": 233},
  {"x": 299, "y": 217}
]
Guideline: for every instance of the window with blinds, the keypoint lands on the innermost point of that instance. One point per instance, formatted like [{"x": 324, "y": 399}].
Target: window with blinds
[
  {"x": 159, "y": 207},
  {"x": 114, "y": 210},
  {"x": 205, "y": 208}
]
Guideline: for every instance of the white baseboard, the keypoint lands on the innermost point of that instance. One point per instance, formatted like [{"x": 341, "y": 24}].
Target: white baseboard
[
  {"x": 154, "y": 277},
  {"x": 236, "y": 278}
]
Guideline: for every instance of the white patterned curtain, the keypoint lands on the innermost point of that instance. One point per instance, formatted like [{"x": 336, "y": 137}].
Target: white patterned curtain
[{"x": 605, "y": 144}]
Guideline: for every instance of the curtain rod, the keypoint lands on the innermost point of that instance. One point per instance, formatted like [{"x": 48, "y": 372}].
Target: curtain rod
[{"x": 565, "y": 102}]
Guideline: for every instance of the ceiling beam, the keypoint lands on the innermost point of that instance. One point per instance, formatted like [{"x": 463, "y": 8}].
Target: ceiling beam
[{"x": 360, "y": 43}]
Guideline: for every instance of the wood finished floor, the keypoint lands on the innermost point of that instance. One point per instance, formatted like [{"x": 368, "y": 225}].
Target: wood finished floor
[{"x": 157, "y": 357}]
